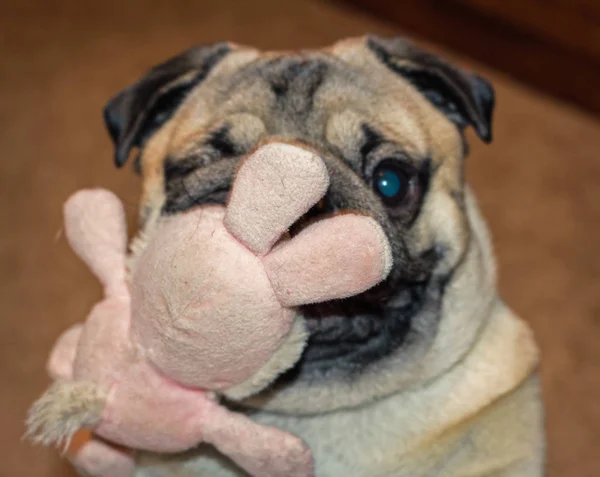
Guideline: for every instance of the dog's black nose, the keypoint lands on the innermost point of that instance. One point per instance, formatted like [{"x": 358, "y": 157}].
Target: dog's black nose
[{"x": 316, "y": 212}]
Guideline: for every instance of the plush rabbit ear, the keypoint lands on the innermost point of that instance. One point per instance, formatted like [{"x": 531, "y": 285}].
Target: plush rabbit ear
[
  {"x": 96, "y": 229},
  {"x": 273, "y": 188},
  {"x": 334, "y": 258}
]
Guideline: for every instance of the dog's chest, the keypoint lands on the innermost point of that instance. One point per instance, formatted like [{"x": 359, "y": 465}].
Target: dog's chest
[
  {"x": 395, "y": 438},
  {"x": 350, "y": 443},
  {"x": 391, "y": 437},
  {"x": 417, "y": 436},
  {"x": 371, "y": 442}
]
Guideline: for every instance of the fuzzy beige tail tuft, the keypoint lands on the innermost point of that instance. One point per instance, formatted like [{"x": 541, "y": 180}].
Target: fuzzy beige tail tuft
[{"x": 65, "y": 408}]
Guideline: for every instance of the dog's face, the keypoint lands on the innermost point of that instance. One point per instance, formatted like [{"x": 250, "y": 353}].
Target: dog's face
[{"x": 388, "y": 120}]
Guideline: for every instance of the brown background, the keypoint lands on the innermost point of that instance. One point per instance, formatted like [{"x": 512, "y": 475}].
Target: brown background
[{"x": 539, "y": 186}]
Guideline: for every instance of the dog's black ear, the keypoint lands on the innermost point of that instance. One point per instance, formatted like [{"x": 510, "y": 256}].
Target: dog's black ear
[
  {"x": 135, "y": 113},
  {"x": 465, "y": 98}
]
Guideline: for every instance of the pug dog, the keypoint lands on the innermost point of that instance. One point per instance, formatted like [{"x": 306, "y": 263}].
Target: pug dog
[{"x": 429, "y": 373}]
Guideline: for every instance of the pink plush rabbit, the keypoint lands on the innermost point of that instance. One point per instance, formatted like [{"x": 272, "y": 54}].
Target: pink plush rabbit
[{"x": 205, "y": 308}]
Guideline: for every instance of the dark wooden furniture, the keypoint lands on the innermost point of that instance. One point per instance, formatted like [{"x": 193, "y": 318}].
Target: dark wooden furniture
[{"x": 552, "y": 45}]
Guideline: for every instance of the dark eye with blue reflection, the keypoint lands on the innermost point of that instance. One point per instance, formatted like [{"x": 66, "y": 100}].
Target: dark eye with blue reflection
[{"x": 391, "y": 182}]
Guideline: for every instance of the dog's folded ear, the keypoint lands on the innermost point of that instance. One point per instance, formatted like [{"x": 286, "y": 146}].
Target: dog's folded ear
[
  {"x": 465, "y": 98},
  {"x": 135, "y": 113}
]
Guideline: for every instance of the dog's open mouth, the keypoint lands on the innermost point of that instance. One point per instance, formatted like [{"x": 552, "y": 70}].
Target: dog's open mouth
[{"x": 346, "y": 335}]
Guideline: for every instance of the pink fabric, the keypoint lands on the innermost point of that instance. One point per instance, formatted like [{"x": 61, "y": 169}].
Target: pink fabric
[
  {"x": 342, "y": 271},
  {"x": 274, "y": 187},
  {"x": 62, "y": 356},
  {"x": 206, "y": 301},
  {"x": 98, "y": 458},
  {"x": 97, "y": 233},
  {"x": 210, "y": 305},
  {"x": 257, "y": 448}
]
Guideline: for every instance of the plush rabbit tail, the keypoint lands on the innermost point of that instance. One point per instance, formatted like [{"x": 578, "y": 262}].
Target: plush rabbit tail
[{"x": 65, "y": 408}]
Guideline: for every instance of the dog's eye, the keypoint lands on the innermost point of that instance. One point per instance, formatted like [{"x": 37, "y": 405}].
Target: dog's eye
[{"x": 392, "y": 182}]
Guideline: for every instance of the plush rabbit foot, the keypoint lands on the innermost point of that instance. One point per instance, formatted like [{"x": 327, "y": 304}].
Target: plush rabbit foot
[{"x": 209, "y": 309}]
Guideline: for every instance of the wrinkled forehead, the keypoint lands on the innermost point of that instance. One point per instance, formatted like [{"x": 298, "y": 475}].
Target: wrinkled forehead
[{"x": 329, "y": 97}]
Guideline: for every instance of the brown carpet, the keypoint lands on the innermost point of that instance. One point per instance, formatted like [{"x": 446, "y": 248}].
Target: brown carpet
[{"x": 539, "y": 185}]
